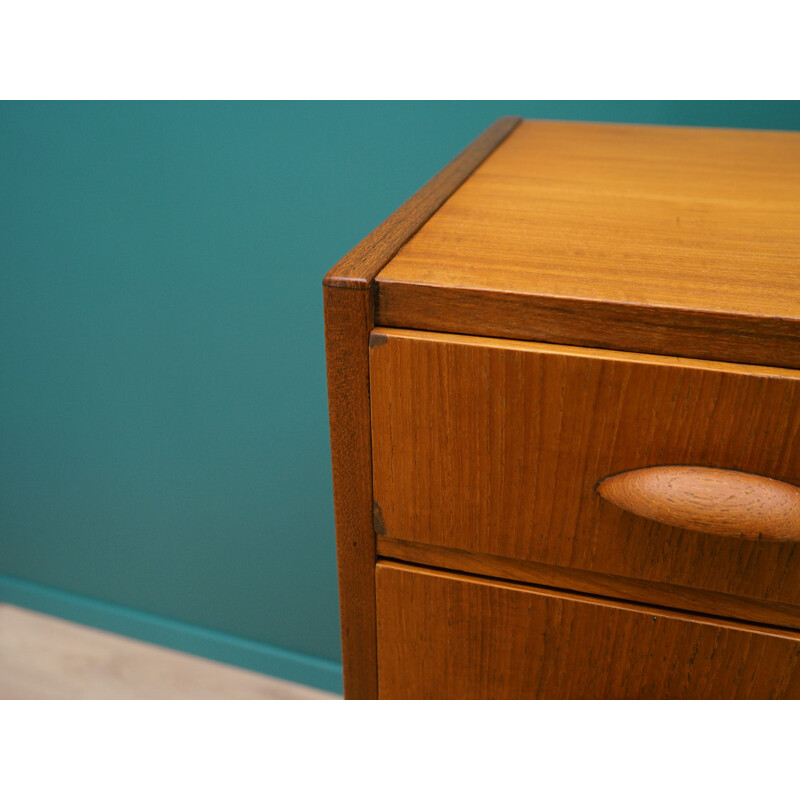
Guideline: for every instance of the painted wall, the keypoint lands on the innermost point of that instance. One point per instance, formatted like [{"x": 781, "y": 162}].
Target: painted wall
[{"x": 164, "y": 462}]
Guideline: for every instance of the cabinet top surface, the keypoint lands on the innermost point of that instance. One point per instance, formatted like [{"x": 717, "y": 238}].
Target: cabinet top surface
[{"x": 683, "y": 218}]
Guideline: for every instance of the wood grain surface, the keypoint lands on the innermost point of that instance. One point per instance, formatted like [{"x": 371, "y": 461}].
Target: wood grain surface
[
  {"x": 722, "y": 502},
  {"x": 496, "y": 447},
  {"x": 445, "y": 636},
  {"x": 664, "y": 595},
  {"x": 681, "y": 241},
  {"x": 348, "y": 319}
]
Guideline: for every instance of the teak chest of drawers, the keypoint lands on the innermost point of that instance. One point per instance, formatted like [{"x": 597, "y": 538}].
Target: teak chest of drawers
[{"x": 564, "y": 393}]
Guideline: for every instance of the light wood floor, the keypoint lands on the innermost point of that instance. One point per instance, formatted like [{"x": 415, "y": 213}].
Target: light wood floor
[{"x": 45, "y": 658}]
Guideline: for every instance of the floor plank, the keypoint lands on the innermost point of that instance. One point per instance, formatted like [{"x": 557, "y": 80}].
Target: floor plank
[{"x": 46, "y": 658}]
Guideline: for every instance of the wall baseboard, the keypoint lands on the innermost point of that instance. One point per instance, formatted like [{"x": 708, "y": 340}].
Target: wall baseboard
[{"x": 240, "y": 652}]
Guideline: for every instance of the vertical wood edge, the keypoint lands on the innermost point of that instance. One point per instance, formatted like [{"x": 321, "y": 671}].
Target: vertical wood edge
[{"x": 348, "y": 320}]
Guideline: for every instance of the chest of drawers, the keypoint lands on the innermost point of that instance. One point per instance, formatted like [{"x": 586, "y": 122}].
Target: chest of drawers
[{"x": 564, "y": 394}]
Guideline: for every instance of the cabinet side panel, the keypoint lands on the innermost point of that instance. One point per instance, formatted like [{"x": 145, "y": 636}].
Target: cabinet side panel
[{"x": 348, "y": 316}]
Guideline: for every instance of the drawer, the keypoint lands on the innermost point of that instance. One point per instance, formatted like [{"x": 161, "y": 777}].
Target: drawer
[
  {"x": 445, "y": 636},
  {"x": 497, "y": 447}
]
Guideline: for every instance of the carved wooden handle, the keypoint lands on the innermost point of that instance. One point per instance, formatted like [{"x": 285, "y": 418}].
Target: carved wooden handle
[{"x": 720, "y": 501}]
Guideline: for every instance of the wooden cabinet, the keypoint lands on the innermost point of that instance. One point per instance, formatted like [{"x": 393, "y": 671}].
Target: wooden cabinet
[{"x": 564, "y": 390}]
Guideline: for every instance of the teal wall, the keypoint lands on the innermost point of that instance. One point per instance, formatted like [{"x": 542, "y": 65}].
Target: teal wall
[{"x": 164, "y": 462}]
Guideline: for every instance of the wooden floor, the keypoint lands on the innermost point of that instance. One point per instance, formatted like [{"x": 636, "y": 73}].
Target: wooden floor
[{"x": 45, "y": 658}]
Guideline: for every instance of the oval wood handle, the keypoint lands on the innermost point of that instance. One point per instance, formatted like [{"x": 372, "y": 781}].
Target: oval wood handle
[{"x": 719, "y": 501}]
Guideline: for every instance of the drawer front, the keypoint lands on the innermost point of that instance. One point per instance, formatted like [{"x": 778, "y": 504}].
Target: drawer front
[
  {"x": 445, "y": 636},
  {"x": 497, "y": 447}
]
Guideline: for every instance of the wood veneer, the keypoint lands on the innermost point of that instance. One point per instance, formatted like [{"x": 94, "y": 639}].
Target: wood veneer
[
  {"x": 496, "y": 447},
  {"x": 445, "y": 636},
  {"x": 347, "y": 323},
  {"x": 652, "y": 239},
  {"x": 663, "y": 595}
]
